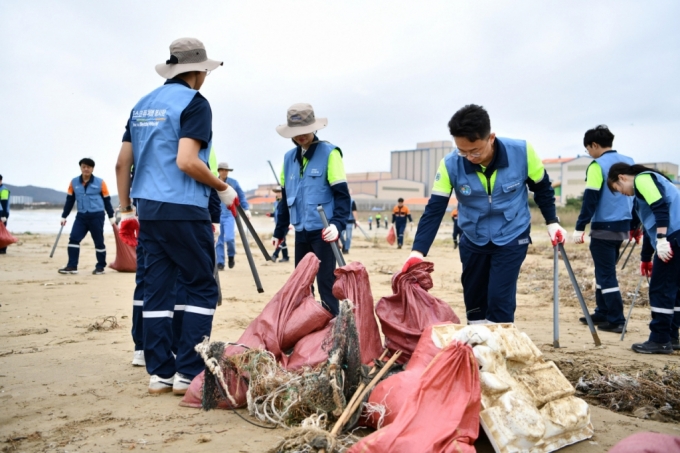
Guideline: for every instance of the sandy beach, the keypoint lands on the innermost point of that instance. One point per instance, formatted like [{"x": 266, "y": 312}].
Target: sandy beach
[{"x": 67, "y": 387}]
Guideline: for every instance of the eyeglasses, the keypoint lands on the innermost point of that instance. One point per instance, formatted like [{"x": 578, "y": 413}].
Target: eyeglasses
[{"x": 474, "y": 155}]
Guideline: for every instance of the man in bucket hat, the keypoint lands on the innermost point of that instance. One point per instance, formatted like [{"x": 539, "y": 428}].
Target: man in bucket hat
[
  {"x": 313, "y": 174},
  {"x": 167, "y": 140},
  {"x": 227, "y": 219}
]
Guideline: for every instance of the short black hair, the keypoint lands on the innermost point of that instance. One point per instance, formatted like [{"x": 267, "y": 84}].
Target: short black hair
[
  {"x": 600, "y": 135},
  {"x": 401, "y": 200},
  {"x": 622, "y": 168},
  {"x": 86, "y": 161},
  {"x": 471, "y": 122}
]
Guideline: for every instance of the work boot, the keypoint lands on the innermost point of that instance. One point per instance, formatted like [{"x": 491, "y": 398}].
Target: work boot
[
  {"x": 614, "y": 328},
  {"x": 68, "y": 270},
  {"x": 675, "y": 343},
  {"x": 650, "y": 347},
  {"x": 220, "y": 266},
  {"x": 597, "y": 319},
  {"x": 231, "y": 262}
]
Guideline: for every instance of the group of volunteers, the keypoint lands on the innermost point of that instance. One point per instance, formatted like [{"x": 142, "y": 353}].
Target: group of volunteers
[{"x": 173, "y": 205}]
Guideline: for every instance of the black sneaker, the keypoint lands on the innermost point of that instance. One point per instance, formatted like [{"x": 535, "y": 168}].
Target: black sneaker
[
  {"x": 98, "y": 271},
  {"x": 597, "y": 319},
  {"x": 649, "y": 347},
  {"x": 3, "y": 252},
  {"x": 220, "y": 266},
  {"x": 68, "y": 270},
  {"x": 675, "y": 343},
  {"x": 455, "y": 246},
  {"x": 284, "y": 260},
  {"x": 231, "y": 262},
  {"x": 614, "y": 328}
]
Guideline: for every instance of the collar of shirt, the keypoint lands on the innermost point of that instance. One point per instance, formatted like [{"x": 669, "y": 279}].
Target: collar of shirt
[
  {"x": 308, "y": 154},
  {"x": 499, "y": 160},
  {"x": 176, "y": 80},
  {"x": 85, "y": 184}
]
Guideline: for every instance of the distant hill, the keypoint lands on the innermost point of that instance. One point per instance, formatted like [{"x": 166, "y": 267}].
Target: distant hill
[{"x": 44, "y": 195}]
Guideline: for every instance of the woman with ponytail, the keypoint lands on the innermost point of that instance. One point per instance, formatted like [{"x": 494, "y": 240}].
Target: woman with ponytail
[{"x": 658, "y": 206}]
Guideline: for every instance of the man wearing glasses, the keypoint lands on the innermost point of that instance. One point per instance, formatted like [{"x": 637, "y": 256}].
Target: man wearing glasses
[
  {"x": 491, "y": 177},
  {"x": 167, "y": 140}
]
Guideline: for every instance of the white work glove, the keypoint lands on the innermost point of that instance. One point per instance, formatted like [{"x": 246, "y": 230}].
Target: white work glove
[
  {"x": 557, "y": 234},
  {"x": 579, "y": 237},
  {"x": 414, "y": 258},
  {"x": 3, "y": 219},
  {"x": 216, "y": 231},
  {"x": 63, "y": 221},
  {"x": 330, "y": 234},
  {"x": 276, "y": 242},
  {"x": 664, "y": 250},
  {"x": 247, "y": 211},
  {"x": 112, "y": 221},
  {"x": 227, "y": 196}
]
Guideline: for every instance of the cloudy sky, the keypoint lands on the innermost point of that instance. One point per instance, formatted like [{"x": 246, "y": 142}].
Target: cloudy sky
[{"x": 387, "y": 74}]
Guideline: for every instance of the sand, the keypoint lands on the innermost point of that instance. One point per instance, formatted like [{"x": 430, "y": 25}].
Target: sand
[{"x": 64, "y": 387}]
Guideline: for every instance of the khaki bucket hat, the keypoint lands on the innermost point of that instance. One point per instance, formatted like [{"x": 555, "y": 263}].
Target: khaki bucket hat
[
  {"x": 224, "y": 166},
  {"x": 301, "y": 120},
  {"x": 186, "y": 55}
]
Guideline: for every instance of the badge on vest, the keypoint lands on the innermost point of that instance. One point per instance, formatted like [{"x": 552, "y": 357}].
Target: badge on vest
[
  {"x": 314, "y": 172},
  {"x": 465, "y": 189}
]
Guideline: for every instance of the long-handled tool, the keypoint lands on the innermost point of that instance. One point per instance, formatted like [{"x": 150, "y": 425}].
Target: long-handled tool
[
  {"x": 216, "y": 274},
  {"x": 276, "y": 178},
  {"x": 249, "y": 254},
  {"x": 363, "y": 232},
  {"x": 632, "y": 304},
  {"x": 579, "y": 295},
  {"x": 57, "y": 241},
  {"x": 623, "y": 252},
  {"x": 556, "y": 300},
  {"x": 629, "y": 253},
  {"x": 258, "y": 241},
  {"x": 334, "y": 245}
]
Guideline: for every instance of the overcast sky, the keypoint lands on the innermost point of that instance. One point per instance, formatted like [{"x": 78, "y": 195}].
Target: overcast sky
[{"x": 386, "y": 74}]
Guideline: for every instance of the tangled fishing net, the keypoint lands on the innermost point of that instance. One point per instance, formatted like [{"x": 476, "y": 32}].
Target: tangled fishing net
[{"x": 308, "y": 399}]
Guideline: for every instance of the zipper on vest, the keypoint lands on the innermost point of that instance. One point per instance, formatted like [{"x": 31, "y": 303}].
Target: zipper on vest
[{"x": 488, "y": 187}]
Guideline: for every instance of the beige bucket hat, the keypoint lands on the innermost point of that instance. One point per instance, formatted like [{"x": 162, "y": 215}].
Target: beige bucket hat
[
  {"x": 301, "y": 120},
  {"x": 186, "y": 55},
  {"x": 224, "y": 166}
]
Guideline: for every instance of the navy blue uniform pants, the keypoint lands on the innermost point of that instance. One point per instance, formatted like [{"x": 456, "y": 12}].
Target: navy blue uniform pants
[
  {"x": 456, "y": 230},
  {"x": 490, "y": 279},
  {"x": 84, "y": 223},
  {"x": 400, "y": 226},
  {"x": 607, "y": 293},
  {"x": 311, "y": 241},
  {"x": 664, "y": 296},
  {"x": 177, "y": 253},
  {"x": 283, "y": 248}
]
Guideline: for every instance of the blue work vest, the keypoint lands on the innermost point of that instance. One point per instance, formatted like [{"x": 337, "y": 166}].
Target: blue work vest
[
  {"x": 671, "y": 197},
  {"x": 155, "y": 129},
  {"x": 89, "y": 198},
  {"x": 304, "y": 193},
  {"x": 2, "y": 187},
  {"x": 502, "y": 215},
  {"x": 612, "y": 207}
]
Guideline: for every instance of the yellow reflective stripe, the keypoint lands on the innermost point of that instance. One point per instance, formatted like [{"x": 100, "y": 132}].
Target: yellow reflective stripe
[
  {"x": 442, "y": 182},
  {"x": 212, "y": 161},
  {"x": 594, "y": 177},
  {"x": 336, "y": 168},
  {"x": 647, "y": 188},
  {"x": 482, "y": 179},
  {"x": 282, "y": 176},
  {"x": 4, "y": 194},
  {"x": 535, "y": 167}
]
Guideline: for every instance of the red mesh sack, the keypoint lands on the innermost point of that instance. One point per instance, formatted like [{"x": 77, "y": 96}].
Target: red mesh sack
[
  {"x": 291, "y": 315},
  {"x": 393, "y": 391},
  {"x": 404, "y": 315},
  {"x": 391, "y": 236},
  {"x": 351, "y": 282},
  {"x": 440, "y": 414},
  {"x": 126, "y": 255},
  {"x": 5, "y": 237},
  {"x": 647, "y": 442}
]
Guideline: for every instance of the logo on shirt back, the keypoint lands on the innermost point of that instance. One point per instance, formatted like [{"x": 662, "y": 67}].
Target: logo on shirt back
[
  {"x": 147, "y": 117},
  {"x": 465, "y": 189}
]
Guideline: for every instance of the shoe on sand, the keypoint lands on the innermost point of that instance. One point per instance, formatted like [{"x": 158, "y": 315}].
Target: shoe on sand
[
  {"x": 180, "y": 384},
  {"x": 138, "y": 359},
  {"x": 649, "y": 347},
  {"x": 68, "y": 270},
  {"x": 158, "y": 384}
]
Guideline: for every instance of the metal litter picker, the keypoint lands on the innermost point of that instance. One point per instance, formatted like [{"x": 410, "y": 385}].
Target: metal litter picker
[
  {"x": 334, "y": 245},
  {"x": 56, "y": 241}
]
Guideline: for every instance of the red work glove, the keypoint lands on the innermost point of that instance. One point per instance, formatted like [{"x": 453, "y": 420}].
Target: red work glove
[
  {"x": 635, "y": 235},
  {"x": 232, "y": 208},
  {"x": 414, "y": 258},
  {"x": 129, "y": 228},
  {"x": 646, "y": 268},
  {"x": 557, "y": 234}
]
